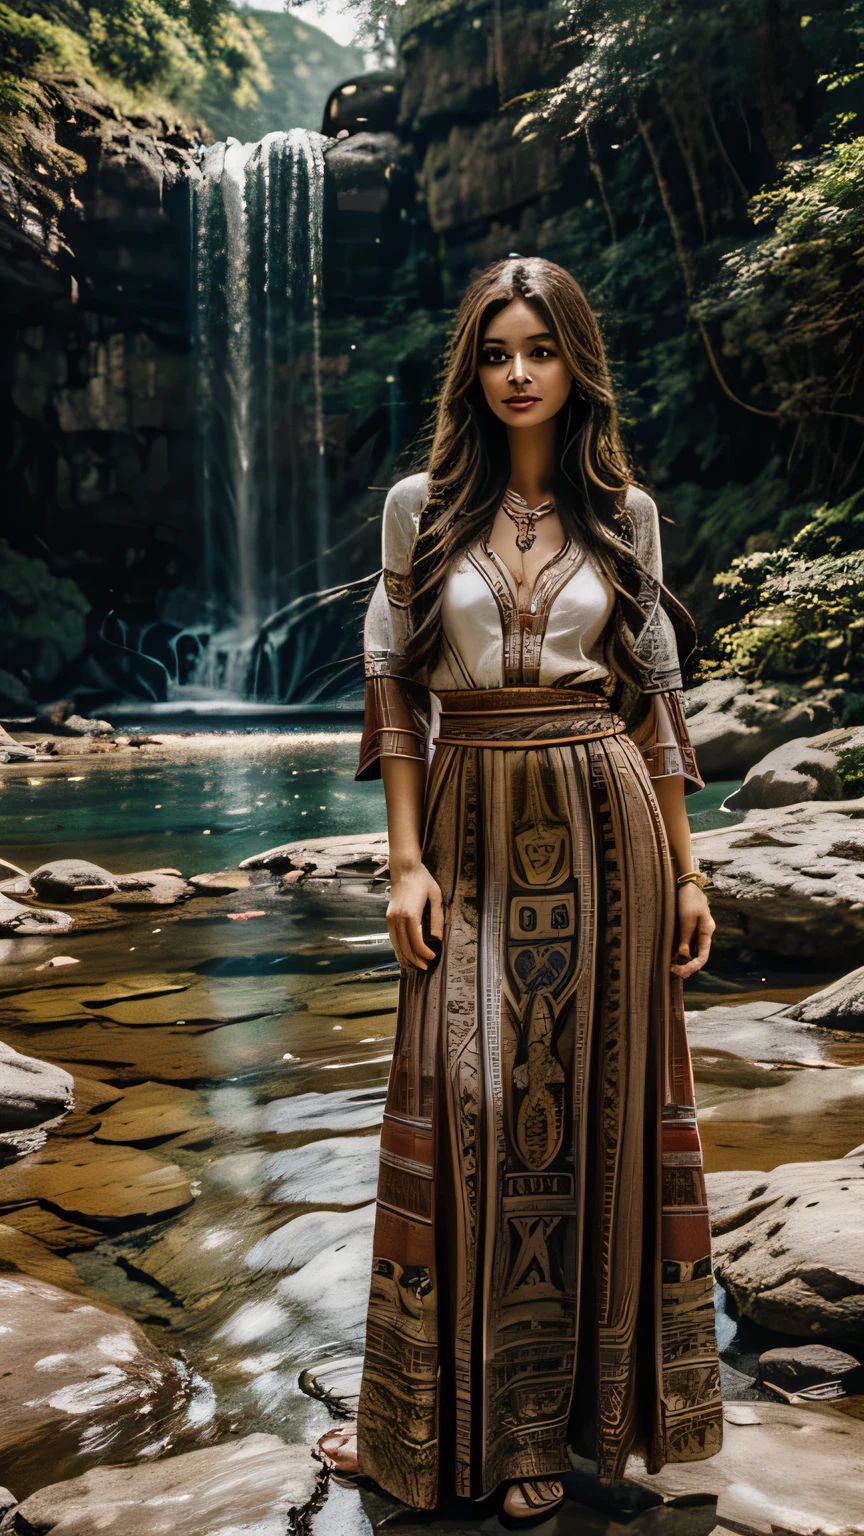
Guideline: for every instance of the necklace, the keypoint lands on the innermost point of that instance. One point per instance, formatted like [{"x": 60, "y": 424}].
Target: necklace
[{"x": 525, "y": 518}]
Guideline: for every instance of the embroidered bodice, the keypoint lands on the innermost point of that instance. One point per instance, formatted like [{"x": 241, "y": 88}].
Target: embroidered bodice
[{"x": 490, "y": 642}]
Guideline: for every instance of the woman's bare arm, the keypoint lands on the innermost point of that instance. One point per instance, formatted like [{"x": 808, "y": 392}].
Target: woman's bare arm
[
  {"x": 695, "y": 923},
  {"x": 411, "y": 885}
]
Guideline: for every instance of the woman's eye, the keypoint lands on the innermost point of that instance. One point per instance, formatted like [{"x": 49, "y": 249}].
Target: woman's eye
[{"x": 494, "y": 357}]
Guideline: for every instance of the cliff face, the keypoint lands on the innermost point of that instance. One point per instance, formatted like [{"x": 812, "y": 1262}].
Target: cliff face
[
  {"x": 97, "y": 439},
  {"x": 470, "y": 71}
]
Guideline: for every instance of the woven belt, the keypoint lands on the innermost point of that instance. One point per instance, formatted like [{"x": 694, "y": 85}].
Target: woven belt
[{"x": 524, "y": 717}]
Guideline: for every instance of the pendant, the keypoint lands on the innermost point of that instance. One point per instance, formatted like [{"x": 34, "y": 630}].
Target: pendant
[
  {"x": 524, "y": 517},
  {"x": 526, "y": 530}
]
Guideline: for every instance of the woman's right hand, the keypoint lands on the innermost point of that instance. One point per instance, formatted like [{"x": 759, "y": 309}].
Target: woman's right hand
[{"x": 410, "y": 890}]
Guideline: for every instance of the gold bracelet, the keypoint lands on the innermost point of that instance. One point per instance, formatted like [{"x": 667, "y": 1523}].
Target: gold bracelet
[{"x": 695, "y": 877}]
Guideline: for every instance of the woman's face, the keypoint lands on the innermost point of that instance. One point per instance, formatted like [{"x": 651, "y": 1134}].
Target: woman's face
[{"x": 523, "y": 374}]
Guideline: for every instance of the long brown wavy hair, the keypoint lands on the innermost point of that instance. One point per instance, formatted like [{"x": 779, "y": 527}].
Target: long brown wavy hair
[{"x": 469, "y": 462}]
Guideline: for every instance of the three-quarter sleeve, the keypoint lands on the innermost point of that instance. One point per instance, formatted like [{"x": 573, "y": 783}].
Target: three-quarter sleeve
[
  {"x": 661, "y": 733},
  {"x": 396, "y": 708},
  {"x": 663, "y": 739}
]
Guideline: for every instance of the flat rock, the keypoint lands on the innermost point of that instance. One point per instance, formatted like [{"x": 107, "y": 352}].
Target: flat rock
[
  {"x": 789, "y": 1247},
  {"x": 791, "y": 1469},
  {"x": 105, "y": 1183},
  {"x": 328, "y": 857},
  {"x": 802, "y": 769},
  {"x": 31, "y": 922},
  {"x": 789, "y": 881},
  {"x": 52, "y": 1231},
  {"x": 69, "y": 880},
  {"x": 151, "y": 888},
  {"x": 153, "y": 1112},
  {"x": 808, "y": 1365},
  {"x": 20, "y": 1250},
  {"x": 349, "y": 999},
  {"x": 31, "y": 1091},
  {"x": 226, "y": 882},
  {"x": 840, "y": 1006},
  {"x": 84, "y": 1381},
  {"x": 215, "y": 1000},
  {"x": 733, "y": 725},
  {"x": 257, "y": 1485}
]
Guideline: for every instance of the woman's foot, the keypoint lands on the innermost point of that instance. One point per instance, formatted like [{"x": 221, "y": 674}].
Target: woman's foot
[
  {"x": 338, "y": 1448},
  {"x": 534, "y": 1500}
]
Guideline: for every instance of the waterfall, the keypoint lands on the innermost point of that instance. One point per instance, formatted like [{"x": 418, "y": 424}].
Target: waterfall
[{"x": 258, "y": 232}]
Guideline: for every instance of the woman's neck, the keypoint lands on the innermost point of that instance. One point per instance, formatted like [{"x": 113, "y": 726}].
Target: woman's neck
[{"x": 532, "y": 460}]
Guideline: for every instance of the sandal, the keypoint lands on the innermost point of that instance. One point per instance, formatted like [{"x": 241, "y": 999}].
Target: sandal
[
  {"x": 542, "y": 1497},
  {"x": 337, "y": 1437}
]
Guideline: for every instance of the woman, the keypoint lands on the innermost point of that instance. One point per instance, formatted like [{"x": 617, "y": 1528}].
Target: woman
[{"x": 541, "y": 1274}]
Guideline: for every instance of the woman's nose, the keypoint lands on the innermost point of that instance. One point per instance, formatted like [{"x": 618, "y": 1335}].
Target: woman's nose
[{"x": 517, "y": 372}]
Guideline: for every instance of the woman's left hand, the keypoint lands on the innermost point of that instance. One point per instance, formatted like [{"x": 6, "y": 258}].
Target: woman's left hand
[{"x": 695, "y": 927}]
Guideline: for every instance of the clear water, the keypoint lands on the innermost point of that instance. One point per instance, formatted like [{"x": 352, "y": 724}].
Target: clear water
[
  {"x": 205, "y": 802},
  {"x": 264, "y": 1273}
]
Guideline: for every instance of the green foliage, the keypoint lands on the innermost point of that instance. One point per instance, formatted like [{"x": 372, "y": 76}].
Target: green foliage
[
  {"x": 169, "y": 50},
  {"x": 43, "y": 617},
  {"x": 800, "y": 607},
  {"x": 790, "y": 298},
  {"x": 850, "y": 772}
]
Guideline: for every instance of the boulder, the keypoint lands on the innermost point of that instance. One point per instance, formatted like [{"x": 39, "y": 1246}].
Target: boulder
[
  {"x": 85, "y": 1382},
  {"x": 31, "y": 922},
  {"x": 802, "y": 769},
  {"x": 782, "y": 1468},
  {"x": 789, "y": 881},
  {"x": 67, "y": 880},
  {"x": 80, "y": 725},
  {"x": 254, "y": 1484},
  {"x": 733, "y": 725},
  {"x": 30, "y": 1091},
  {"x": 795, "y": 1369},
  {"x": 789, "y": 1247},
  {"x": 840, "y": 1006}
]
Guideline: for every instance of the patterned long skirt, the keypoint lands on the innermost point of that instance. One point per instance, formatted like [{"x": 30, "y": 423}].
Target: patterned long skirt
[{"x": 542, "y": 1271}]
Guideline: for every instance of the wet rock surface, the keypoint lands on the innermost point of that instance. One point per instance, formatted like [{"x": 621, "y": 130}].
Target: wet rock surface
[
  {"x": 789, "y": 1247},
  {"x": 328, "y": 858},
  {"x": 802, "y": 769},
  {"x": 732, "y": 726},
  {"x": 107, "y": 1184},
  {"x": 777, "y": 1471},
  {"x": 86, "y": 1381},
  {"x": 253, "y": 1484},
  {"x": 789, "y": 882},
  {"x": 30, "y": 1090}
]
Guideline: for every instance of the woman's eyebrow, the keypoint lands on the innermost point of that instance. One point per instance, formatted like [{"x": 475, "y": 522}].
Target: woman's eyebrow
[{"x": 537, "y": 336}]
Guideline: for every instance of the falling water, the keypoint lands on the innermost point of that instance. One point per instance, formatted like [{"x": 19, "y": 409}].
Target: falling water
[{"x": 258, "y": 268}]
